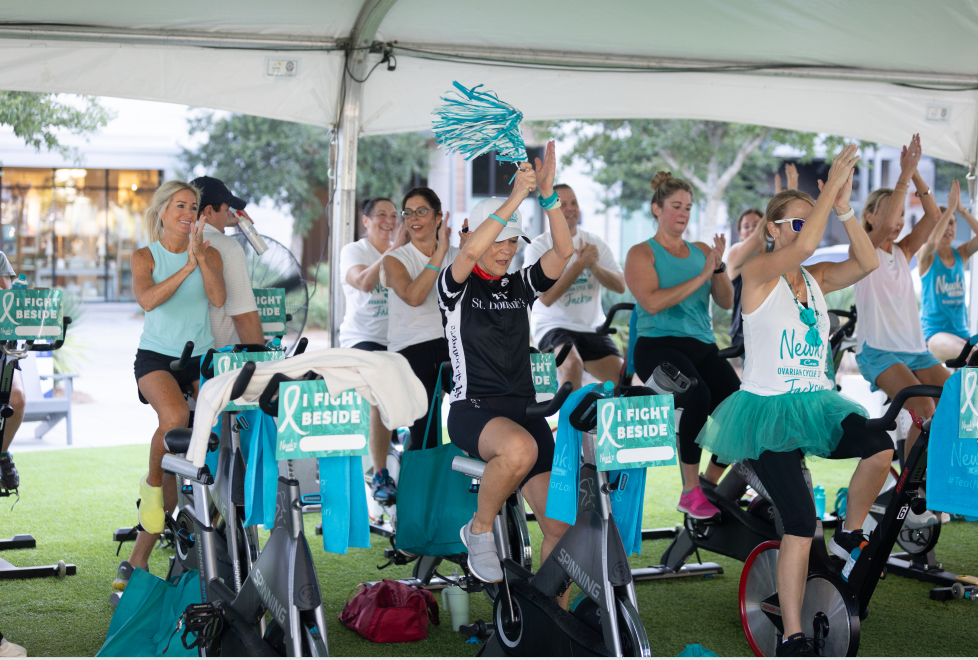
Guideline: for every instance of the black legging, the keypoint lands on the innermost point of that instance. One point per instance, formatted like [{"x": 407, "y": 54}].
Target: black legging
[
  {"x": 780, "y": 472},
  {"x": 425, "y": 360},
  {"x": 695, "y": 359}
]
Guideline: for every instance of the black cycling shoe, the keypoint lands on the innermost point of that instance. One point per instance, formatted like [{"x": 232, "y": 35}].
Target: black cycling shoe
[
  {"x": 9, "y": 477},
  {"x": 797, "y": 646},
  {"x": 843, "y": 543}
]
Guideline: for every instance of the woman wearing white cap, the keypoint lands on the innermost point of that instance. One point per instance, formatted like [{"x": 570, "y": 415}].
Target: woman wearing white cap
[
  {"x": 414, "y": 323},
  {"x": 488, "y": 329}
]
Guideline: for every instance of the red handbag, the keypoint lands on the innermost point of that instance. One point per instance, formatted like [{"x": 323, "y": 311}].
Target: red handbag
[{"x": 390, "y": 611}]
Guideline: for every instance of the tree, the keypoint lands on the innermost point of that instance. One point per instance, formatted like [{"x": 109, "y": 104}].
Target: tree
[
  {"x": 35, "y": 118},
  {"x": 288, "y": 163},
  {"x": 725, "y": 162}
]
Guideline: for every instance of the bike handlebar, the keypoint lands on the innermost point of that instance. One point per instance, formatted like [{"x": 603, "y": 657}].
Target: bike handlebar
[
  {"x": 184, "y": 359},
  {"x": 548, "y": 408},
  {"x": 888, "y": 421},
  {"x": 58, "y": 343},
  {"x": 605, "y": 328},
  {"x": 962, "y": 358},
  {"x": 241, "y": 382},
  {"x": 731, "y": 352}
]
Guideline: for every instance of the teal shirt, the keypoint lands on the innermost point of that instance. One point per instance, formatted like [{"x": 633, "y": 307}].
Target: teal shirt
[
  {"x": 182, "y": 318},
  {"x": 691, "y": 317},
  {"x": 943, "y": 308}
]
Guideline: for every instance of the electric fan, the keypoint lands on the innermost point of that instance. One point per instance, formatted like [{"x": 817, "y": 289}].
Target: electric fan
[{"x": 276, "y": 268}]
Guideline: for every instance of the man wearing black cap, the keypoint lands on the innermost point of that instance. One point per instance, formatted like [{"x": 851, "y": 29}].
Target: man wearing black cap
[{"x": 238, "y": 321}]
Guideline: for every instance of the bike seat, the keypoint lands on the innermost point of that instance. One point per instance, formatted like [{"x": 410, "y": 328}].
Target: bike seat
[{"x": 177, "y": 441}]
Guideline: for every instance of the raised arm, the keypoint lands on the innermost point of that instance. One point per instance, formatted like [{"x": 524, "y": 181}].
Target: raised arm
[
  {"x": 721, "y": 287},
  {"x": 555, "y": 259},
  {"x": 862, "y": 255},
  {"x": 969, "y": 248},
  {"x": 925, "y": 228},
  {"x": 925, "y": 255},
  {"x": 744, "y": 250},
  {"x": 415, "y": 291},
  {"x": 363, "y": 277},
  {"x": 643, "y": 281},
  {"x": 767, "y": 266},
  {"x": 883, "y": 227}
]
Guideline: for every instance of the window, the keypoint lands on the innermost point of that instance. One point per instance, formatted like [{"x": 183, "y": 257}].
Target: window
[{"x": 490, "y": 178}]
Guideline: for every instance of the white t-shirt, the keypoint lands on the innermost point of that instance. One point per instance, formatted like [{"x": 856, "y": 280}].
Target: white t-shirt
[
  {"x": 887, "y": 306},
  {"x": 413, "y": 325},
  {"x": 579, "y": 309},
  {"x": 237, "y": 281},
  {"x": 366, "y": 311}
]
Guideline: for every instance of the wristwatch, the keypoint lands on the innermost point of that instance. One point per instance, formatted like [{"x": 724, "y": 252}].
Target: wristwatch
[{"x": 721, "y": 269}]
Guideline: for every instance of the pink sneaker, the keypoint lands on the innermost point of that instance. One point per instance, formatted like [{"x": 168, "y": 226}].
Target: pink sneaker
[{"x": 695, "y": 504}]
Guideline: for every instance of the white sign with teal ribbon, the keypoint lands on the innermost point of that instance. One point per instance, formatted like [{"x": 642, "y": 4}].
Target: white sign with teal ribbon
[
  {"x": 544, "y": 369},
  {"x": 31, "y": 314},
  {"x": 968, "y": 420},
  {"x": 225, "y": 362},
  {"x": 313, "y": 424},
  {"x": 271, "y": 310},
  {"x": 636, "y": 432}
]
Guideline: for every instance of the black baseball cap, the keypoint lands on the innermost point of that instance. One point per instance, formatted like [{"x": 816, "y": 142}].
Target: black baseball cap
[{"x": 213, "y": 191}]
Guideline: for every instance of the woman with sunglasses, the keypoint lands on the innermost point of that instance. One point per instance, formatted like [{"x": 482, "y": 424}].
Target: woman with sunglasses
[
  {"x": 788, "y": 406},
  {"x": 892, "y": 353},
  {"x": 414, "y": 328},
  {"x": 672, "y": 280}
]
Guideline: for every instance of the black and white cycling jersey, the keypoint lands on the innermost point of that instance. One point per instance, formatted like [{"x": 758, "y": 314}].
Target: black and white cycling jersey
[{"x": 487, "y": 325}]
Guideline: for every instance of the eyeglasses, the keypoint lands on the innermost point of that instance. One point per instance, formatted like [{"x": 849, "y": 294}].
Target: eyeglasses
[
  {"x": 796, "y": 223},
  {"x": 421, "y": 212},
  {"x": 384, "y": 216}
]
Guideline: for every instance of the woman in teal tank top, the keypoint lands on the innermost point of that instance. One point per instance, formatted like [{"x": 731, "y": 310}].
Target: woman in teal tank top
[
  {"x": 944, "y": 312},
  {"x": 174, "y": 279},
  {"x": 672, "y": 280}
]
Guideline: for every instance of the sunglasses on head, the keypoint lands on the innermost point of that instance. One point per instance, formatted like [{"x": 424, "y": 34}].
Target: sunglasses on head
[{"x": 796, "y": 223}]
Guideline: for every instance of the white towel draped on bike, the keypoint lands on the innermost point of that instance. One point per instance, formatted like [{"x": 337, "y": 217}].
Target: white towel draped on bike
[{"x": 385, "y": 380}]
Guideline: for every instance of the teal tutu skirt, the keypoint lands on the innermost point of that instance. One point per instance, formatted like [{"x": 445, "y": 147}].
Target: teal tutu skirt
[{"x": 745, "y": 424}]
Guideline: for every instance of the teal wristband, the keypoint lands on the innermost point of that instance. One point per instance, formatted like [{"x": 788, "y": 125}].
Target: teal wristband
[
  {"x": 497, "y": 219},
  {"x": 434, "y": 268},
  {"x": 550, "y": 202}
]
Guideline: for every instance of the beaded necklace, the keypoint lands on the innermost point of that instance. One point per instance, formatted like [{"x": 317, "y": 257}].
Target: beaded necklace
[{"x": 809, "y": 315}]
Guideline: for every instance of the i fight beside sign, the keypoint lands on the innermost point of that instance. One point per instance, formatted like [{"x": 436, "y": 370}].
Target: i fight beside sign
[
  {"x": 313, "y": 424},
  {"x": 27, "y": 314},
  {"x": 271, "y": 310},
  {"x": 544, "y": 369},
  {"x": 636, "y": 432}
]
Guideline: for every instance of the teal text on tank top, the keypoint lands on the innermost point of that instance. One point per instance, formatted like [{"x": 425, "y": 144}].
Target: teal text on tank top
[
  {"x": 182, "y": 318},
  {"x": 691, "y": 317},
  {"x": 942, "y": 292}
]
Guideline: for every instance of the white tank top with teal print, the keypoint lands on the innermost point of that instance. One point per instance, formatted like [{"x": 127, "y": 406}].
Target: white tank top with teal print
[{"x": 777, "y": 358}]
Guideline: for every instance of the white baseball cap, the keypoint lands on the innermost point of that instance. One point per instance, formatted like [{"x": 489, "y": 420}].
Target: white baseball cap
[{"x": 480, "y": 213}]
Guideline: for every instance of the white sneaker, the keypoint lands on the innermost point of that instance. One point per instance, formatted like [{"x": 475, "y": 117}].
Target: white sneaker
[
  {"x": 919, "y": 521},
  {"x": 945, "y": 518},
  {"x": 10, "y": 650}
]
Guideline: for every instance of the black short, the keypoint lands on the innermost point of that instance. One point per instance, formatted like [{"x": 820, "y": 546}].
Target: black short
[
  {"x": 780, "y": 472},
  {"x": 149, "y": 361},
  {"x": 468, "y": 417},
  {"x": 590, "y": 345},
  {"x": 369, "y": 346}
]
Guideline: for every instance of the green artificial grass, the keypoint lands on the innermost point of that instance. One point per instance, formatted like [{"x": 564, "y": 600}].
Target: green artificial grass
[{"x": 72, "y": 501}]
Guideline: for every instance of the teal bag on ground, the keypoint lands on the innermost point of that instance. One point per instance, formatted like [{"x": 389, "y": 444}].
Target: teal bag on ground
[
  {"x": 696, "y": 651},
  {"x": 433, "y": 501},
  {"x": 145, "y": 620}
]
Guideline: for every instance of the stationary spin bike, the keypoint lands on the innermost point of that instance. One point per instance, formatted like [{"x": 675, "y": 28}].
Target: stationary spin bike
[
  {"x": 527, "y": 619},
  {"x": 833, "y": 606}
]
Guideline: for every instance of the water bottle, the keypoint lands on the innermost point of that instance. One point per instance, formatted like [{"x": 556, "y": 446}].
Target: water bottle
[
  {"x": 248, "y": 229},
  {"x": 275, "y": 344},
  {"x": 853, "y": 556},
  {"x": 819, "y": 501},
  {"x": 20, "y": 282}
]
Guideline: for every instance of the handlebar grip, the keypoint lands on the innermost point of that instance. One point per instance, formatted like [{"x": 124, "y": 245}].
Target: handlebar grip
[
  {"x": 268, "y": 401},
  {"x": 300, "y": 348},
  {"x": 207, "y": 364},
  {"x": 548, "y": 408},
  {"x": 731, "y": 352},
  {"x": 184, "y": 360},
  {"x": 888, "y": 421},
  {"x": 605, "y": 328},
  {"x": 58, "y": 343},
  {"x": 241, "y": 382},
  {"x": 962, "y": 359},
  {"x": 563, "y": 353},
  {"x": 838, "y": 312}
]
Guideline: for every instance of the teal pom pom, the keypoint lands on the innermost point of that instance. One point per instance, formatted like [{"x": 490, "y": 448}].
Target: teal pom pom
[{"x": 473, "y": 123}]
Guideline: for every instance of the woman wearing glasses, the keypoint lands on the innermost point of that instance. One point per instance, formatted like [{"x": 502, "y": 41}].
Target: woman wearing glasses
[
  {"x": 788, "y": 405},
  {"x": 415, "y": 329},
  {"x": 672, "y": 280}
]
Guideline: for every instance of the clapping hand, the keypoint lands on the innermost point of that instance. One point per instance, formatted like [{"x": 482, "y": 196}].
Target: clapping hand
[
  {"x": 587, "y": 255},
  {"x": 547, "y": 169},
  {"x": 954, "y": 197},
  {"x": 840, "y": 174},
  {"x": 463, "y": 235},
  {"x": 197, "y": 251},
  {"x": 444, "y": 233},
  {"x": 910, "y": 157},
  {"x": 525, "y": 182}
]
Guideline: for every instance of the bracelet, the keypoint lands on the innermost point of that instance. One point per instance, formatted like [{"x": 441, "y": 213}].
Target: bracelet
[
  {"x": 721, "y": 269},
  {"x": 922, "y": 194},
  {"x": 434, "y": 268},
  {"x": 497, "y": 219},
  {"x": 551, "y": 202},
  {"x": 899, "y": 183},
  {"x": 847, "y": 215}
]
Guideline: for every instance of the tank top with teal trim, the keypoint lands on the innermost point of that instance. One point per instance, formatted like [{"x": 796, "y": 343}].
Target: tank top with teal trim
[
  {"x": 691, "y": 317},
  {"x": 182, "y": 318},
  {"x": 942, "y": 293}
]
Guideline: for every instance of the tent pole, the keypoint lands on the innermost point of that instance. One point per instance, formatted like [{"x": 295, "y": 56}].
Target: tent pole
[
  {"x": 973, "y": 262},
  {"x": 344, "y": 211}
]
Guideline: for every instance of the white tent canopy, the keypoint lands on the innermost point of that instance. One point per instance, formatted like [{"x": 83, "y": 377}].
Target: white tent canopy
[{"x": 875, "y": 70}]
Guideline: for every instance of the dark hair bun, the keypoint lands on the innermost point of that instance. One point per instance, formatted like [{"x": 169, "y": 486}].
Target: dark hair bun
[{"x": 659, "y": 179}]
